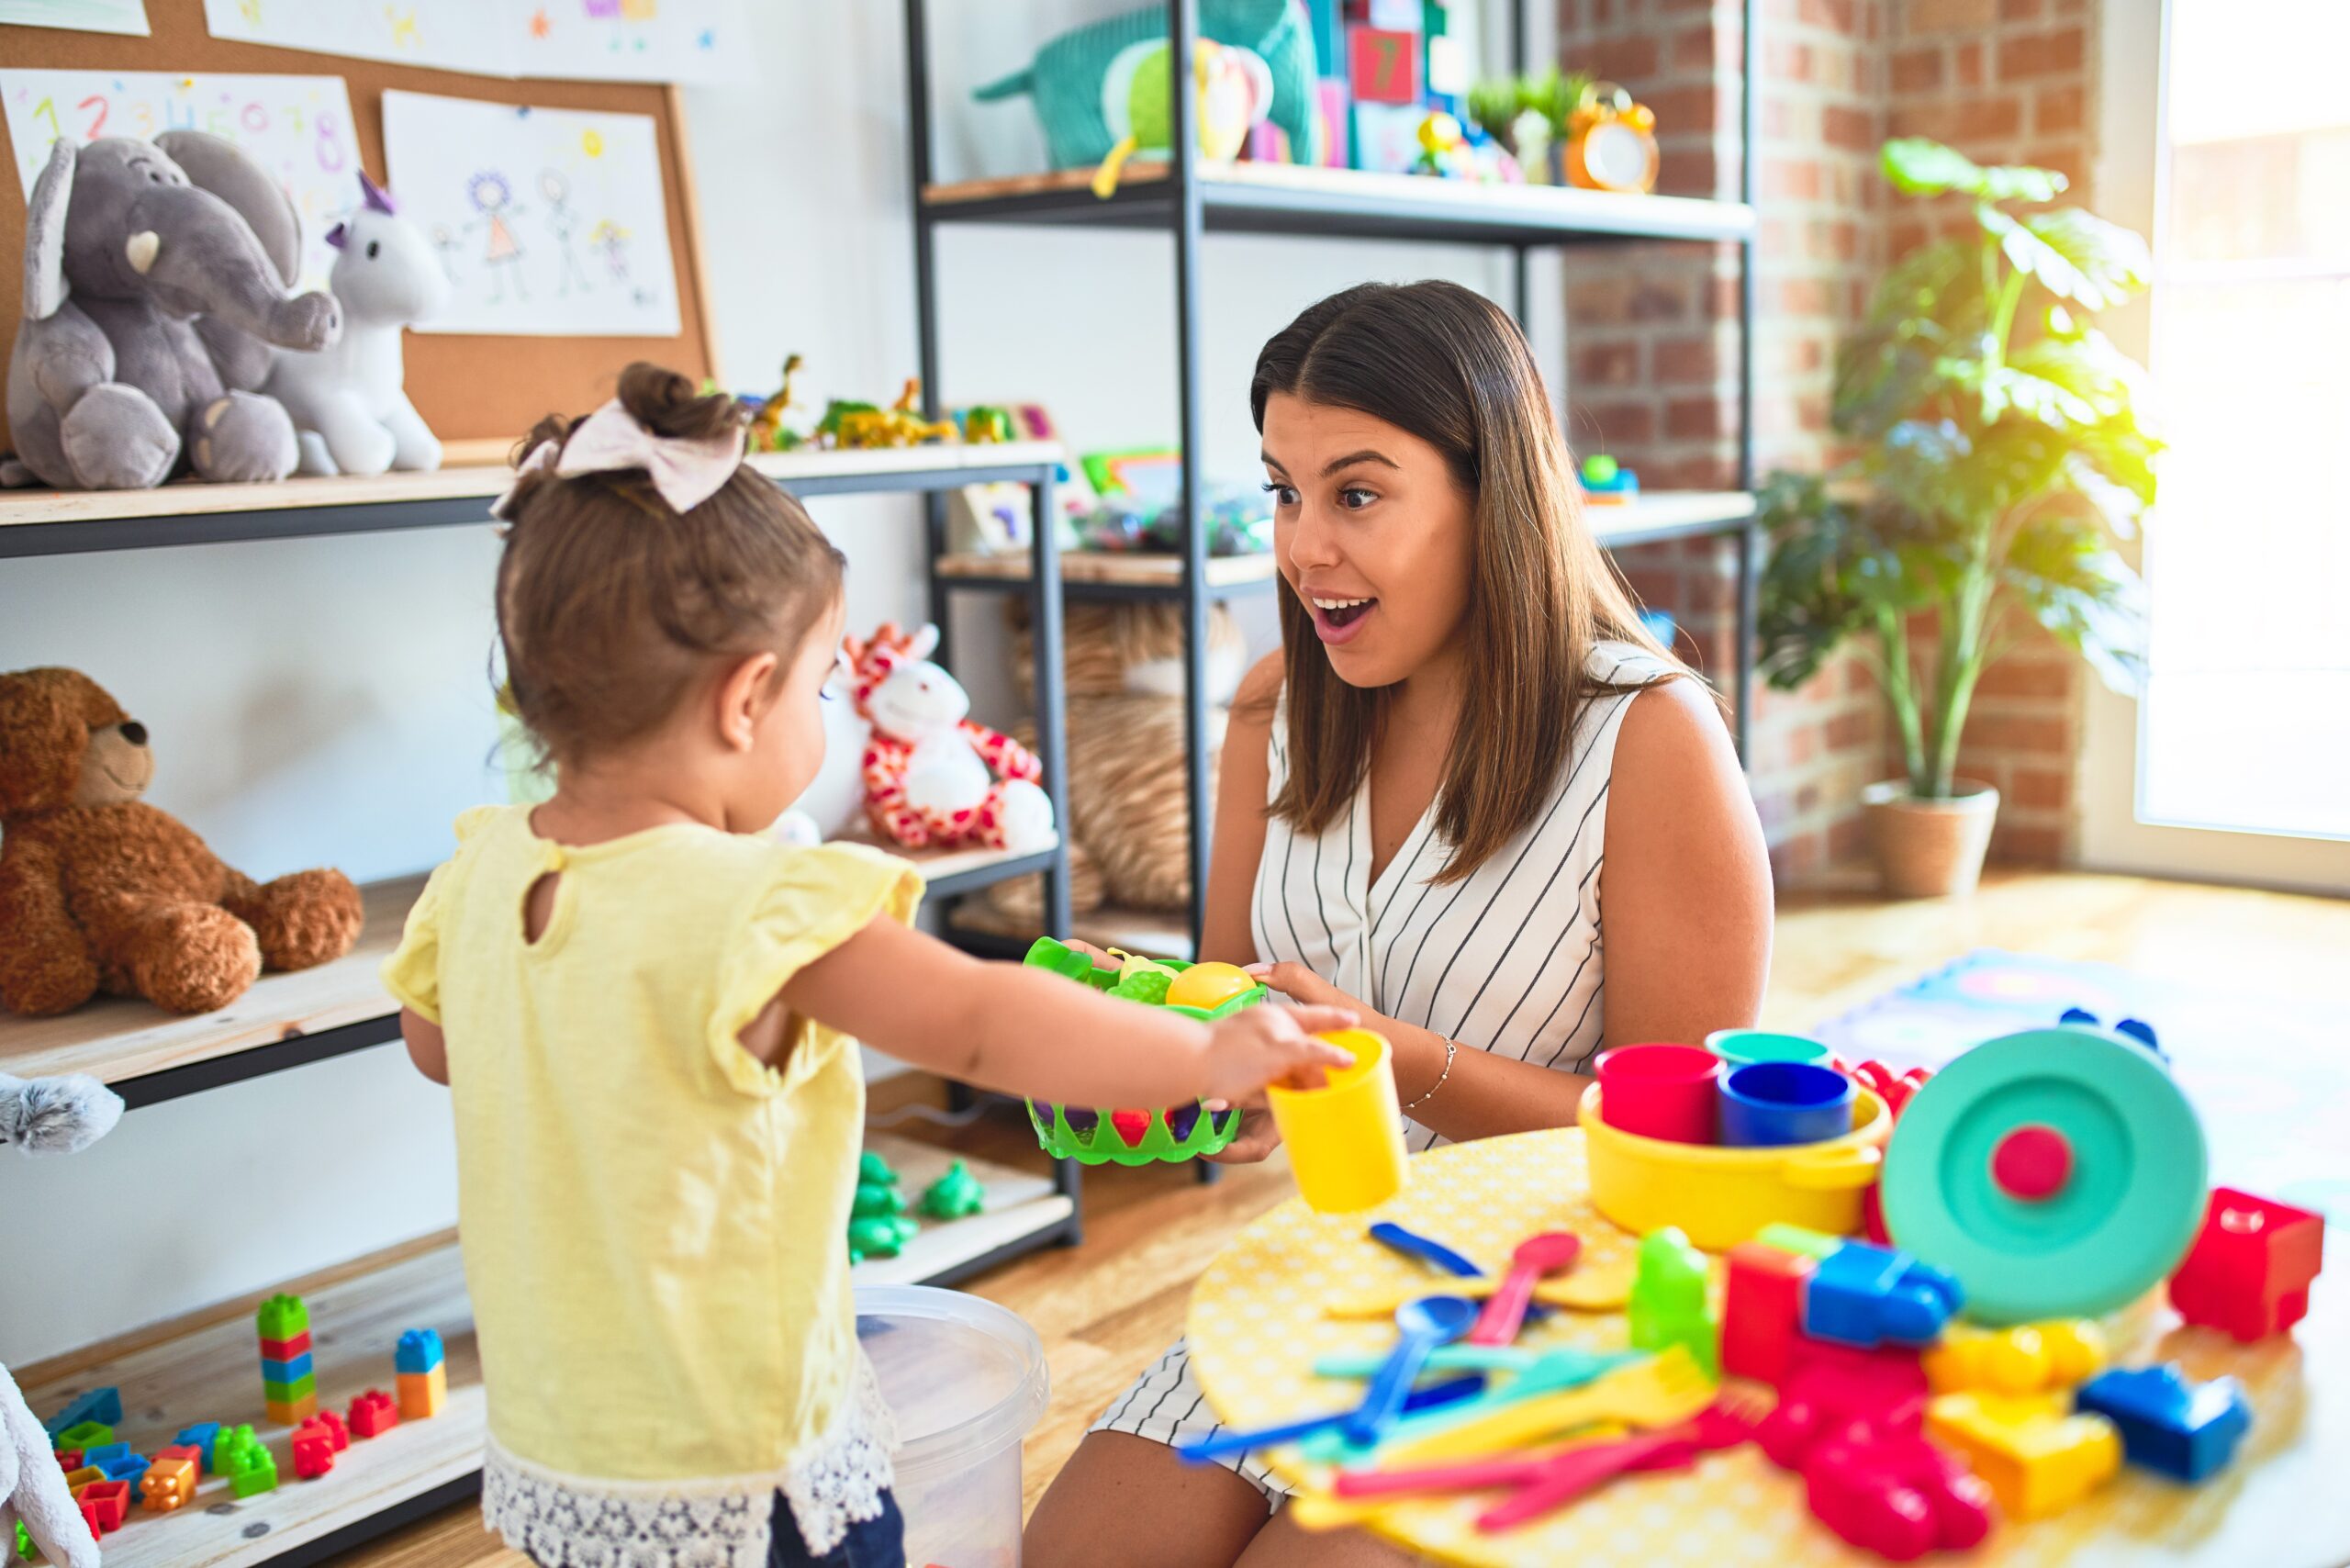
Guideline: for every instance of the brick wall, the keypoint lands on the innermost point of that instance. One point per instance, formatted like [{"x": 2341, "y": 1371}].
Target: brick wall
[{"x": 1652, "y": 342}]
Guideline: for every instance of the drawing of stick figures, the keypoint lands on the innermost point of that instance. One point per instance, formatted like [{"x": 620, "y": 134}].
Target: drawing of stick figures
[
  {"x": 444, "y": 241},
  {"x": 561, "y": 223},
  {"x": 612, "y": 239},
  {"x": 493, "y": 198}
]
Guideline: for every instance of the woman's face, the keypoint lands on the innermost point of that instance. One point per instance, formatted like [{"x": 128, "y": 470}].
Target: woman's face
[{"x": 1372, "y": 535}]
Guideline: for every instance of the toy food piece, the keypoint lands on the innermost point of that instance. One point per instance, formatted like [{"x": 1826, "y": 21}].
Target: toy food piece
[
  {"x": 2248, "y": 1272},
  {"x": 1345, "y": 1138},
  {"x": 2029, "y": 1358},
  {"x": 2036, "y": 1459},
  {"x": 1209, "y": 986},
  {"x": 2055, "y": 1173},
  {"x": 1143, "y": 981},
  {"x": 1668, "y": 1305},
  {"x": 2185, "y": 1430},
  {"x": 1132, "y": 1125},
  {"x": 954, "y": 1195}
]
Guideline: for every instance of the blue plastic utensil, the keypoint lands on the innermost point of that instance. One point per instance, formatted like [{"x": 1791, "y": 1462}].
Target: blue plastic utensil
[
  {"x": 1427, "y": 1249},
  {"x": 1421, "y": 1326},
  {"x": 1547, "y": 1373},
  {"x": 1436, "y": 1396}
]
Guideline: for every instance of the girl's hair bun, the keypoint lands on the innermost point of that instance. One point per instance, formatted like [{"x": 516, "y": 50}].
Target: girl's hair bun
[{"x": 669, "y": 404}]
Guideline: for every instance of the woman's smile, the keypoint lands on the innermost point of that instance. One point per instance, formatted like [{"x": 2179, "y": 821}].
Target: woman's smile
[{"x": 1338, "y": 618}]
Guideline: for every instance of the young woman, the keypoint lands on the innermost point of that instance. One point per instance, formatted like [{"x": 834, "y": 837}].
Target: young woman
[{"x": 1467, "y": 747}]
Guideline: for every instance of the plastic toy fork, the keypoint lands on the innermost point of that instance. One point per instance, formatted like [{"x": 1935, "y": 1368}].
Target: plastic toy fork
[
  {"x": 1432, "y": 1398},
  {"x": 1666, "y": 1389},
  {"x": 1562, "y": 1479}
]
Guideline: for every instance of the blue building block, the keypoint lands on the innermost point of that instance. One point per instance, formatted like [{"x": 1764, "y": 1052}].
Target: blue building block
[
  {"x": 418, "y": 1351},
  {"x": 2185, "y": 1430},
  {"x": 200, "y": 1438},
  {"x": 1863, "y": 1295},
  {"x": 126, "y": 1467},
  {"x": 98, "y": 1456},
  {"x": 100, "y": 1404},
  {"x": 288, "y": 1372}
]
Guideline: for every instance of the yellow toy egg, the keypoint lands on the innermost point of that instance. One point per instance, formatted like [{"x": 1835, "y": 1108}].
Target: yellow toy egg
[{"x": 1209, "y": 986}]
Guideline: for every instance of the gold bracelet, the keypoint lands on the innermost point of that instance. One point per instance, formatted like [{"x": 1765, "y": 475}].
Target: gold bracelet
[{"x": 1452, "y": 1049}]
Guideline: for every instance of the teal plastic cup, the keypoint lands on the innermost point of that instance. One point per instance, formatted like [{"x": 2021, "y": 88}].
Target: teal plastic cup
[{"x": 1744, "y": 1048}]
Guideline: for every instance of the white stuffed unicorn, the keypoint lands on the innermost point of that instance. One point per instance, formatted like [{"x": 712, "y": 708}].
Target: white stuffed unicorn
[
  {"x": 931, "y": 773},
  {"x": 350, "y": 412}
]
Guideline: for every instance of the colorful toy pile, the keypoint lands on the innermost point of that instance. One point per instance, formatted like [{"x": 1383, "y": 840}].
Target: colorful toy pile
[
  {"x": 1922, "y": 1389},
  {"x": 1205, "y": 991}
]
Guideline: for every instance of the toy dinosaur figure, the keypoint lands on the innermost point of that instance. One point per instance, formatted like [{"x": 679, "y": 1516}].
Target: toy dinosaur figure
[
  {"x": 768, "y": 432},
  {"x": 850, "y": 426}
]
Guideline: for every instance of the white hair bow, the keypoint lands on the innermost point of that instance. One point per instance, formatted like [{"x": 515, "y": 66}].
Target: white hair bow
[{"x": 686, "y": 471}]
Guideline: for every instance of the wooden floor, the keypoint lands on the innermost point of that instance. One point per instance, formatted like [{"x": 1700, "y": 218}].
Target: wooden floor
[{"x": 1107, "y": 1308}]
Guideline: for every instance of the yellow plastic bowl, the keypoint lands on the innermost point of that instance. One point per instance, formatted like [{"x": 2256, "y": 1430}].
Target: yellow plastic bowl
[{"x": 1722, "y": 1196}]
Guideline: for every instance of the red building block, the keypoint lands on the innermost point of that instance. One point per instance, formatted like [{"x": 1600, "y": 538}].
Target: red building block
[
  {"x": 313, "y": 1452},
  {"x": 188, "y": 1452},
  {"x": 373, "y": 1413},
  {"x": 69, "y": 1460},
  {"x": 286, "y": 1350},
  {"x": 1897, "y": 1497},
  {"x": 112, "y": 1501},
  {"x": 1763, "y": 1310},
  {"x": 90, "y": 1518},
  {"x": 1837, "y": 1393},
  {"x": 2249, "y": 1270},
  {"x": 331, "y": 1424},
  {"x": 1382, "y": 67}
]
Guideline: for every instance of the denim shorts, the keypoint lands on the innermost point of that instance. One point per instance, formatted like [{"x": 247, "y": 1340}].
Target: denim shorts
[{"x": 874, "y": 1543}]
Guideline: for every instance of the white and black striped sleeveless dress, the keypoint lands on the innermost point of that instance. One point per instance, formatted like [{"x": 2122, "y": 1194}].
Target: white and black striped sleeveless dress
[{"x": 1508, "y": 960}]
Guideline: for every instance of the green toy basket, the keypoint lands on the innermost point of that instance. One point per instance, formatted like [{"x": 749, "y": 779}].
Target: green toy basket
[
  {"x": 1066, "y": 75},
  {"x": 1099, "y": 1142}
]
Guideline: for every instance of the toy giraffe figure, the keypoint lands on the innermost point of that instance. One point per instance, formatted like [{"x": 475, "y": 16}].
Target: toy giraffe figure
[{"x": 932, "y": 776}]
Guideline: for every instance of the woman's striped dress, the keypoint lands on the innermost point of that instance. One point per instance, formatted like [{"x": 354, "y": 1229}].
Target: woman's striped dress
[{"x": 1508, "y": 960}]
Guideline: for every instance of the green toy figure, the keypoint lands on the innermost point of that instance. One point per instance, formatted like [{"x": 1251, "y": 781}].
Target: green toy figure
[
  {"x": 954, "y": 1195},
  {"x": 872, "y": 1168},
  {"x": 877, "y": 1226},
  {"x": 879, "y": 1236},
  {"x": 875, "y": 1200},
  {"x": 1668, "y": 1303}
]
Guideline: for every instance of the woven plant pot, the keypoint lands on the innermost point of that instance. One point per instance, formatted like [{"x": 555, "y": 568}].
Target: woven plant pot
[{"x": 1930, "y": 849}]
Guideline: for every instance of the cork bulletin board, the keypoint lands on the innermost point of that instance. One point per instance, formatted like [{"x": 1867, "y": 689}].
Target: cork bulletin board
[{"x": 467, "y": 387}]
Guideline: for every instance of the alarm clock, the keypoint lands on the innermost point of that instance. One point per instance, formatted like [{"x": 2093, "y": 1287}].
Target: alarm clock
[{"x": 1611, "y": 143}]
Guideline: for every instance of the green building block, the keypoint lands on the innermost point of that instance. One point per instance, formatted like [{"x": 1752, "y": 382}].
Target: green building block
[
  {"x": 1797, "y": 1239},
  {"x": 88, "y": 1434},
  {"x": 1668, "y": 1303},
  {"x": 233, "y": 1446},
  {"x": 875, "y": 1200},
  {"x": 954, "y": 1195},
  {"x": 281, "y": 1318},
  {"x": 25, "y": 1542},
  {"x": 256, "y": 1471},
  {"x": 288, "y": 1393}
]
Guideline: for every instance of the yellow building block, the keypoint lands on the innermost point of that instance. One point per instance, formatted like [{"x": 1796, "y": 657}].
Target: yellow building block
[
  {"x": 2037, "y": 1459},
  {"x": 2031, "y": 1358},
  {"x": 424, "y": 1394},
  {"x": 77, "y": 1479},
  {"x": 292, "y": 1413}
]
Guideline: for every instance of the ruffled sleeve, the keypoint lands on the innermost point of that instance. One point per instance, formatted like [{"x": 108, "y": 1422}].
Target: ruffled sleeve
[
  {"x": 815, "y": 899},
  {"x": 412, "y": 974}
]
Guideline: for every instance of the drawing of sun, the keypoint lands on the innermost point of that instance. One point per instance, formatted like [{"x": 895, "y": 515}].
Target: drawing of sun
[
  {"x": 591, "y": 143},
  {"x": 540, "y": 25}
]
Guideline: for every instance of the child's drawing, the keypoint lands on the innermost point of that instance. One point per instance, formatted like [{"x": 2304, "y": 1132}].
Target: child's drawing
[
  {"x": 620, "y": 40},
  {"x": 558, "y": 217},
  {"x": 445, "y": 241}
]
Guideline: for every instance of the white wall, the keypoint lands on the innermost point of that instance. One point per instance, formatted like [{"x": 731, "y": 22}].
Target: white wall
[{"x": 325, "y": 700}]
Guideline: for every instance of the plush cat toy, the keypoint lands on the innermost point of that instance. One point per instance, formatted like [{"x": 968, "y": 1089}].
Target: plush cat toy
[{"x": 932, "y": 776}]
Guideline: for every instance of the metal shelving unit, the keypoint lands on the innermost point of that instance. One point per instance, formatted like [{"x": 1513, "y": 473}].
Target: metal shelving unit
[{"x": 1188, "y": 199}]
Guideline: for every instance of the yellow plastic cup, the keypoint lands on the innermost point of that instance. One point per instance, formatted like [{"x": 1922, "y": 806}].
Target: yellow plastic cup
[{"x": 1346, "y": 1139}]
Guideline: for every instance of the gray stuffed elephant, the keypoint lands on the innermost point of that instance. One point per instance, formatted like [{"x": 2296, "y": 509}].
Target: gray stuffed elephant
[{"x": 156, "y": 277}]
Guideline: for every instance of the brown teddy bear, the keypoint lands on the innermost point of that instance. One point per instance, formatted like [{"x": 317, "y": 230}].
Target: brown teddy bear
[{"x": 100, "y": 891}]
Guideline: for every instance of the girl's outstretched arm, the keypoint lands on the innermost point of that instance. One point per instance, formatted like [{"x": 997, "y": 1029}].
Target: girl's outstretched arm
[{"x": 1021, "y": 1031}]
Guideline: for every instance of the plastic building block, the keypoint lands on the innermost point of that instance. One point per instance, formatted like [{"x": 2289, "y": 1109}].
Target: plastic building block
[
  {"x": 957, "y": 1195},
  {"x": 169, "y": 1483},
  {"x": 2249, "y": 1270},
  {"x": 2037, "y": 1459},
  {"x": 287, "y": 1372},
  {"x": 292, "y": 1412},
  {"x": 331, "y": 1424},
  {"x": 1795, "y": 1238},
  {"x": 1763, "y": 1310},
  {"x": 24, "y": 1548},
  {"x": 288, "y": 1393},
  {"x": 90, "y": 1518},
  {"x": 2031, "y": 1358},
  {"x": 111, "y": 1500},
  {"x": 1862, "y": 1294},
  {"x": 373, "y": 1413},
  {"x": 1668, "y": 1303},
  {"x": 200, "y": 1437},
  {"x": 232, "y": 1447},
  {"x": 85, "y": 1435},
  {"x": 88, "y": 1475},
  {"x": 286, "y": 1349},
  {"x": 70, "y": 1459},
  {"x": 281, "y": 1318},
  {"x": 1835, "y": 1394},
  {"x": 423, "y": 1394},
  {"x": 313, "y": 1453},
  {"x": 257, "y": 1473},
  {"x": 2185, "y": 1431},
  {"x": 101, "y": 1405},
  {"x": 179, "y": 1451},
  {"x": 418, "y": 1351},
  {"x": 98, "y": 1456},
  {"x": 127, "y": 1468},
  {"x": 1897, "y": 1497}
]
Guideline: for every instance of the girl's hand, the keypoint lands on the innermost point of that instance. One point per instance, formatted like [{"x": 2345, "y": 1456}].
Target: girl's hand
[{"x": 1258, "y": 1046}]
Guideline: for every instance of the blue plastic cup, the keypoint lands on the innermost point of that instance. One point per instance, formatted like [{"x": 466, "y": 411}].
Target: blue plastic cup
[
  {"x": 1741, "y": 1047},
  {"x": 1771, "y": 1102}
]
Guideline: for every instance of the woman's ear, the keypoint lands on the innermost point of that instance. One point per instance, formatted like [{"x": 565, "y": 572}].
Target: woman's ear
[{"x": 744, "y": 694}]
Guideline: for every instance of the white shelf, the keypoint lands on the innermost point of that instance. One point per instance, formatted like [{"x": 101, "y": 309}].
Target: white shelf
[{"x": 1019, "y": 1204}]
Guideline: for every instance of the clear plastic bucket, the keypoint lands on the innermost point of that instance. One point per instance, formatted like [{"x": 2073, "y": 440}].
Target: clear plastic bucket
[{"x": 966, "y": 1379}]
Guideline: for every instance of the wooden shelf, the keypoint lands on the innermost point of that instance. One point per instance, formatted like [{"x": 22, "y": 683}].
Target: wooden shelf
[
  {"x": 48, "y": 522},
  {"x": 1666, "y": 514},
  {"x": 1286, "y": 198},
  {"x": 1021, "y": 1205},
  {"x": 1085, "y": 574}
]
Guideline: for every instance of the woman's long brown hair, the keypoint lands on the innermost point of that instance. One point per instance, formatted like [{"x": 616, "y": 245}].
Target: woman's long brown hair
[{"x": 1447, "y": 365}]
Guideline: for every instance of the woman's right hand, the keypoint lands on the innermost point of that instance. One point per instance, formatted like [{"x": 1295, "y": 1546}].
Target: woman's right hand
[
  {"x": 1257, "y": 1137},
  {"x": 1258, "y": 1046}
]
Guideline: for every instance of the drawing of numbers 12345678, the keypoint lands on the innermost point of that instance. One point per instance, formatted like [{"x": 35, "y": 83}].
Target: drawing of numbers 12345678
[{"x": 547, "y": 221}]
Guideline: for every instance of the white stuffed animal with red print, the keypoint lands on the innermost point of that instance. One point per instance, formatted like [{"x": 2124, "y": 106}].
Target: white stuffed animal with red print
[{"x": 932, "y": 776}]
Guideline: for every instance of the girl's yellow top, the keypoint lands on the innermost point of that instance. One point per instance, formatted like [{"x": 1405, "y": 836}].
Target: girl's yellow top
[{"x": 652, "y": 1220}]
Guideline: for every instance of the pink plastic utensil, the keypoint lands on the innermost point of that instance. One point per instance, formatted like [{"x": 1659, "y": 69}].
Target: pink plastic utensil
[
  {"x": 1504, "y": 1312},
  {"x": 1564, "y": 1477}
]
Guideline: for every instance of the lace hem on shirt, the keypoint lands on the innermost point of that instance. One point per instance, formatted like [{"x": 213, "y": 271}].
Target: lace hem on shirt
[{"x": 566, "y": 1521}]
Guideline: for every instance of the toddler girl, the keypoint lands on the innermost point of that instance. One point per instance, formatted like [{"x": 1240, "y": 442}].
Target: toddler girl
[{"x": 644, "y": 1008}]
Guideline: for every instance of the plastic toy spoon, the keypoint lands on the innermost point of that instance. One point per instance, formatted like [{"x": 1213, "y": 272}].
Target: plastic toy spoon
[
  {"x": 1436, "y": 1397},
  {"x": 1421, "y": 1326},
  {"x": 1429, "y": 1251},
  {"x": 1505, "y": 1310}
]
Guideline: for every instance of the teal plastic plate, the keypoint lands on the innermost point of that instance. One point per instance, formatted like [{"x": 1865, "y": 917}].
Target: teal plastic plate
[{"x": 2074, "y": 1235}]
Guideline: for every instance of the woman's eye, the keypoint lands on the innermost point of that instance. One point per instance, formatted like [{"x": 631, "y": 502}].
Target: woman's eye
[
  {"x": 1283, "y": 495},
  {"x": 1354, "y": 499}
]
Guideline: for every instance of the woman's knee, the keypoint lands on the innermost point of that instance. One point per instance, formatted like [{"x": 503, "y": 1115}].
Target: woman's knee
[{"x": 1130, "y": 1500}]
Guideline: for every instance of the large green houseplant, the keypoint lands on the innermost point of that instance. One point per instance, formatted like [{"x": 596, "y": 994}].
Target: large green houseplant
[{"x": 1999, "y": 455}]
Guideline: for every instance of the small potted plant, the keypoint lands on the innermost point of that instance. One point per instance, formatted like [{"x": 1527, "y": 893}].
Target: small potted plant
[
  {"x": 1999, "y": 455},
  {"x": 1529, "y": 116}
]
